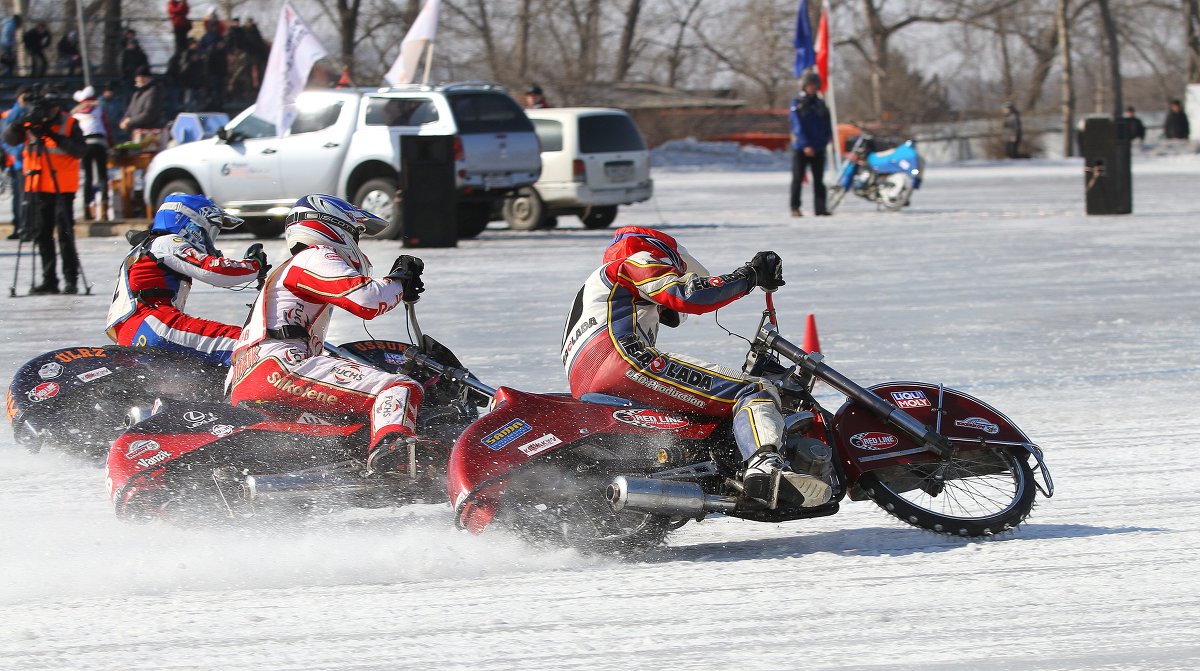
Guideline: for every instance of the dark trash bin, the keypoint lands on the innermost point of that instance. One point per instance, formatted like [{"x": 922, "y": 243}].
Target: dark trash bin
[
  {"x": 1107, "y": 176},
  {"x": 428, "y": 196}
]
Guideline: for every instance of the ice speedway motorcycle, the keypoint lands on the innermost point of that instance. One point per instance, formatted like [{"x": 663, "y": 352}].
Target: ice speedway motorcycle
[
  {"x": 198, "y": 462},
  {"x": 605, "y": 474},
  {"x": 885, "y": 177}
]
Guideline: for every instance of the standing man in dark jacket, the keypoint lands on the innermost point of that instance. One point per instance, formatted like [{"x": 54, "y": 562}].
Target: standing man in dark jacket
[
  {"x": 1137, "y": 129},
  {"x": 811, "y": 131},
  {"x": 53, "y": 145},
  {"x": 132, "y": 60},
  {"x": 1012, "y": 131},
  {"x": 143, "y": 117},
  {"x": 37, "y": 41},
  {"x": 1175, "y": 127}
]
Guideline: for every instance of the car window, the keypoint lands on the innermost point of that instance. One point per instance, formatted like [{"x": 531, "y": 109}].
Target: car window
[
  {"x": 252, "y": 127},
  {"x": 549, "y": 134},
  {"x": 486, "y": 112},
  {"x": 316, "y": 118},
  {"x": 603, "y": 133},
  {"x": 401, "y": 111}
]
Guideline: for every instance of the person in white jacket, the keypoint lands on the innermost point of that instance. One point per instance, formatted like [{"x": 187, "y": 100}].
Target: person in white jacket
[{"x": 94, "y": 126}]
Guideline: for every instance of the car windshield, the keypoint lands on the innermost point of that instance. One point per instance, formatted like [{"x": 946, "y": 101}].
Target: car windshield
[
  {"x": 487, "y": 112},
  {"x": 603, "y": 133}
]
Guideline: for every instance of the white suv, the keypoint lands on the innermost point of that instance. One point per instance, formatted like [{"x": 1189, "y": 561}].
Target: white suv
[
  {"x": 346, "y": 142},
  {"x": 593, "y": 160}
]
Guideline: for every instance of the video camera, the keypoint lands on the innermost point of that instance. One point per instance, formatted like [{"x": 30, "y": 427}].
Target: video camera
[{"x": 41, "y": 112}]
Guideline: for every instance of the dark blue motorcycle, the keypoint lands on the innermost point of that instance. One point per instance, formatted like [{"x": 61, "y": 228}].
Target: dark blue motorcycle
[{"x": 885, "y": 177}]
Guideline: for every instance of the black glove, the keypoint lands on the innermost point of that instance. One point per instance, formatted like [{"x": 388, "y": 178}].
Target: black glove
[
  {"x": 407, "y": 269},
  {"x": 768, "y": 270},
  {"x": 256, "y": 253}
]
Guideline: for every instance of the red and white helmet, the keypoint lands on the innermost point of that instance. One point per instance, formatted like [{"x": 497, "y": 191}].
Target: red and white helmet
[
  {"x": 629, "y": 240},
  {"x": 328, "y": 221}
]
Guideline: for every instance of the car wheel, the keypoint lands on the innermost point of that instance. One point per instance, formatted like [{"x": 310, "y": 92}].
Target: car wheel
[
  {"x": 599, "y": 216},
  {"x": 181, "y": 185},
  {"x": 472, "y": 218},
  {"x": 378, "y": 196},
  {"x": 525, "y": 211}
]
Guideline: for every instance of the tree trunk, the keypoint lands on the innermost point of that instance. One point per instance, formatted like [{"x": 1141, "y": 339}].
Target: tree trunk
[
  {"x": 1114, "y": 56},
  {"x": 348, "y": 13},
  {"x": 628, "y": 32},
  {"x": 1005, "y": 60},
  {"x": 1191, "y": 18},
  {"x": 878, "y": 61},
  {"x": 522, "y": 45},
  {"x": 1068, "y": 79}
]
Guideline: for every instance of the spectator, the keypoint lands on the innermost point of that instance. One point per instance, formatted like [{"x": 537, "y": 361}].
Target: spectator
[
  {"x": 1137, "y": 129},
  {"x": 114, "y": 111},
  {"x": 256, "y": 49},
  {"x": 8, "y": 44},
  {"x": 811, "y": 132},
  {"x": 132, "y": 60},
  {"x": 535, "y": 99},
  {"x": 89, "y": 114},
  {"x": 69, "y": 60},
  {"x": 1012, "y": 131},
  {"x": 192, "y": 76},
  {"x": 212, "y": 22},
  {"x": 14, "y": 168},
  {"x": 178, "y": 10},
  {"x": 53, "y": 145},
  {"x": 235, "y": 36},
  {"x": 37, "y": 40},
  {"x": 212, "y": 33},
  {"x": 217, "y": 61},
  {"x": 1176, "y": 125},
  {"x": 144, "y": 117}
]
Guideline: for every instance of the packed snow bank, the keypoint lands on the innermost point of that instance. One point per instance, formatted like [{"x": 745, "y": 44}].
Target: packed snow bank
[{"x": 692, "y": 154}]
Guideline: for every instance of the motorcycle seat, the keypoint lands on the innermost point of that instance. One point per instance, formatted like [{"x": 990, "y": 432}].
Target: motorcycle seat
[{"x": 608, "y": 399}]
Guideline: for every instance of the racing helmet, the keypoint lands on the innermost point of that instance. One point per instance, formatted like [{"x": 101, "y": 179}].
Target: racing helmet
[
  {"x": 328, "y": 221},
  {"x": 193, "y": 218},
  {"x": 629, "y": 240}
]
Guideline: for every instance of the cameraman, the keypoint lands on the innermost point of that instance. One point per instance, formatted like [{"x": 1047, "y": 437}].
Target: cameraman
[{"x": 53, "y": 146}]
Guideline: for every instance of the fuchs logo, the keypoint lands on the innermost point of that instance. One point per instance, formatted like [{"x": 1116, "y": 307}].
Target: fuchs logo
[
  {"x": 155, "y": 459},
  {"x": 979, "y": 424},
  {"x": 650, "y": 419},
  {"x": 94, "y": 374},
  {"x": 874, "y": 440},
  {"x": 221, "y": 430},
  {"x": 540, "y": 445},
  {"x": 910, "y": 399},
  {"x": 506, "y": 434},
  {"x": 348, "y": 374},
  {"x": 43, "y": 391},
  {"x": 140, "y": 447},
  {"x": 50, "y": 371}
]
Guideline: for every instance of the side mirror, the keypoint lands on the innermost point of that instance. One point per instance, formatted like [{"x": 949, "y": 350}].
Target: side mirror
[{"x": 222, "y": 134}]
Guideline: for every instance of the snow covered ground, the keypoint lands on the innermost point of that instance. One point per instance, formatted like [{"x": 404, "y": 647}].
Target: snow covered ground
[{"x": 1084, "y": 330}]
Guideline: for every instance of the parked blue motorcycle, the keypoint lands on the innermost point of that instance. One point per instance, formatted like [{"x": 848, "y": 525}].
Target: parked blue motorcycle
[{"x": 885, "y": 177}]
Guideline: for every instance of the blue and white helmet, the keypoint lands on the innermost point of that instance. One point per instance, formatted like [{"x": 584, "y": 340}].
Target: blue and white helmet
[
  {"x": 193, "y": 218},
  {"x": 323, "y": 220}
]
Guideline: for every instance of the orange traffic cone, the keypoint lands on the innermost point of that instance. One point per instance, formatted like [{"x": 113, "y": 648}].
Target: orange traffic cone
[{"x": 811, "y": 343}]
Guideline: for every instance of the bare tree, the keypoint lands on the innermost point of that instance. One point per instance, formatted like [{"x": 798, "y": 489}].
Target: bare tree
[
  {"x": 763, "y": 60},
  {"x": 625, "y": 53},
  {"x": 1067, "y": 85},
  {"x": 1114, "y": 56}
]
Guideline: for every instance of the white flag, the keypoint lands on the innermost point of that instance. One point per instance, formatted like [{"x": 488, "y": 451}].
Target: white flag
[
  {"x": 293, "y": 54},
  {"x": 421, "y": 34}
]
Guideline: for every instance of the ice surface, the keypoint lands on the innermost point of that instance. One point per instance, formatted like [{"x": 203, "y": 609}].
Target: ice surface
[{"x": 1083, "y": 329}]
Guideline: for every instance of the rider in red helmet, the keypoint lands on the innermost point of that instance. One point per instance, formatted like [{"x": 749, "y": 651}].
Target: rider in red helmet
[{"x": 647, "y": 278}]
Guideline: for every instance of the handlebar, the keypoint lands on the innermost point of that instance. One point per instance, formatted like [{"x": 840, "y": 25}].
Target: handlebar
[{"x": 455, "y": 374}]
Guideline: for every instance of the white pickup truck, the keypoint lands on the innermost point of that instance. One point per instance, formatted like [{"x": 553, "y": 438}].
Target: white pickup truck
[{"x": 346, "y": 142}]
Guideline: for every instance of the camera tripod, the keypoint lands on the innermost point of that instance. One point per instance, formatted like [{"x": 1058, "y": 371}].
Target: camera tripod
[{"x": 39, "y": 147}]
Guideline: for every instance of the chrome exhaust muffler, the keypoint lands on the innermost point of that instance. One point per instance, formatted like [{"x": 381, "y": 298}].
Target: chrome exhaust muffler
[
  {"x": 257, "y": 487},
  {"x": 664, "y": 497}
]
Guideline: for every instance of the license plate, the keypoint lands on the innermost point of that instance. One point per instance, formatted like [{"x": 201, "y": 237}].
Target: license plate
[{"x": 619, "y": 172}]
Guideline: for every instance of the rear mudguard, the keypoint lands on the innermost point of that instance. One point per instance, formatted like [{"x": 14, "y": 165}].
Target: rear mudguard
[
  {"x": 523, "y": 427},
  {"x": 181, "y": 434},
  {"x": 864, "y": 443}
]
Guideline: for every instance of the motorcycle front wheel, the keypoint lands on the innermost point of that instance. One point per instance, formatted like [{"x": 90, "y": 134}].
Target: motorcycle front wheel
[
  {"x": 836, "y": 194},
  {"x": 895, "y": 190},
  {"x": 974, "y": 493}
]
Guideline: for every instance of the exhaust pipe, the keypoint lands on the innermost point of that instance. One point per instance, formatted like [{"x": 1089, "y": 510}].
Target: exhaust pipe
[
  {"x": 664, "y": 497},
  {"x": 255, "y": 487}
]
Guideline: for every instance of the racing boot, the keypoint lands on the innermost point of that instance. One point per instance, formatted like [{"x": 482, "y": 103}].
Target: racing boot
[
  {"x": 396, "y": 455},
  {"x": 768, "y": 477}
]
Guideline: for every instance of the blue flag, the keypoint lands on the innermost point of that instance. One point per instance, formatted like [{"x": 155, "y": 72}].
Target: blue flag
[{"x": 805, "y": 56}]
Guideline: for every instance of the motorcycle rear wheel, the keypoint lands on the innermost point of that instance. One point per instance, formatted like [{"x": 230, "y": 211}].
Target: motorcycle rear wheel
[
  {"x": 894, "y": 190},
  {"x": 553, "y": 505},
  {"x": 974, "y": 493}
]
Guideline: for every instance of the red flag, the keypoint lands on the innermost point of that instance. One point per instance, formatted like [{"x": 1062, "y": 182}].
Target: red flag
[{"x": 822, "y": 51}]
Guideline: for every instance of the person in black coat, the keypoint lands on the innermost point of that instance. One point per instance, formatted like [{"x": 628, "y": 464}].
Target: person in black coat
[
  {"x": 811, "y": 131},
  {"x": 1012, "y": 131},
  {"x": 1137, "y": 129},
  {"x": 1176, "y": 125},
  {"x": 37, "y": 41}
]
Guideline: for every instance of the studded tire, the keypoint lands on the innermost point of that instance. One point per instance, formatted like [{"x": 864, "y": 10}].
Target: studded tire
[{"x": 975, "y": 493}]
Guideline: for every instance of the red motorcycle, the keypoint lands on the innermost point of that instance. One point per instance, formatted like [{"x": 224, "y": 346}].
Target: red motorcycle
[{"x": 605, "y": 474}]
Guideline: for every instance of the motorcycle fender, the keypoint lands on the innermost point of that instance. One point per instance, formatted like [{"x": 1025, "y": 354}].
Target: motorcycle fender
[
  {"x": 523, "y": 427},
  {"x": 864, "y": 443},
  {"x": 386, "y": 355}
]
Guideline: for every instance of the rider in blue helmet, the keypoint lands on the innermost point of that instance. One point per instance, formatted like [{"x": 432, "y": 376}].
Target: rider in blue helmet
[{"x": 152, "y": 288}]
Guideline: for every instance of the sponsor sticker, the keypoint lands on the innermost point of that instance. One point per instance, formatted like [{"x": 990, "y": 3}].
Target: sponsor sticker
[
  {"x": 979, "y": 424},
  {"x": 154, "y": 460},
  {"x": 80, "y": 353},
  {"x": 347, "y": 374},
  {"x": 910, "y": 399},
  {"x": 94, "y": 374},
  {"x": 540, "y": 445},
  {"x": 657, "y": 365},
  {"x": 195, "y": 418},
  {"x": 50, "y": 371},
  {"x": 221, "y": 430},
  {"x": 874, "y": 440},
  {"x": 716, "y": 282},
  {"x": 43, "y": 391},
  {"x": 649, "y": 419},
  {"x": 506, "y": 434},
  {"x": 392, "y": 358},
  {"x": 140, "y": 447}
]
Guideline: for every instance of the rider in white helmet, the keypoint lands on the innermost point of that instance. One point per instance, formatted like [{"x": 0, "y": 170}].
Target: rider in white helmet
[{"x": 280, "y": 358}]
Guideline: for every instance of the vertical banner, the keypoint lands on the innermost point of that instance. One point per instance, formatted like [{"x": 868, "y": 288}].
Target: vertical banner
[
  {"x": 420, "y": 36},
  {"x": 805, "y": 58},
  {"x": 293, "y": 54}
]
